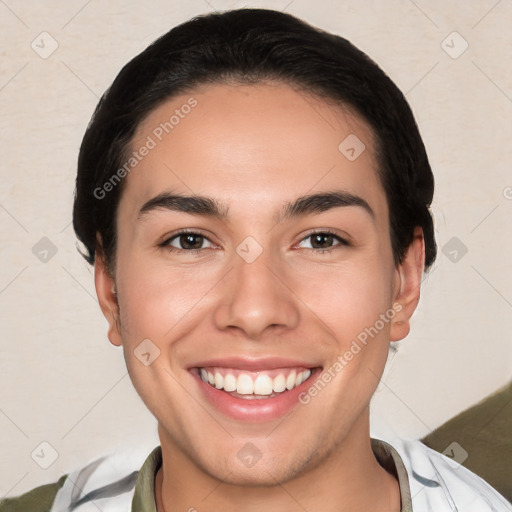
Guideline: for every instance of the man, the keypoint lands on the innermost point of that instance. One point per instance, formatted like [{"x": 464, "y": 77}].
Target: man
[{"x": 254, "y": 196}]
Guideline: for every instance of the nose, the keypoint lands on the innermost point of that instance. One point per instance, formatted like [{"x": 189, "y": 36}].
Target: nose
[{"x": 256, "y": 299}]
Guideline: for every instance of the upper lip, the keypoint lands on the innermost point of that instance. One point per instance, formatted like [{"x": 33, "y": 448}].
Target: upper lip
[{"x": 254, "y": 364}]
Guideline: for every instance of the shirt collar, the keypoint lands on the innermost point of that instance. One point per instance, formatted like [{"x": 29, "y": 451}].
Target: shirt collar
[
  {"x": 391, "y": 461},
  {"x": 144, "y": 494}
]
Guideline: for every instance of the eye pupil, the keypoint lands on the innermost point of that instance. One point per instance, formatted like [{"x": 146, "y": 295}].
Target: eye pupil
[
  {"x": 322, "y": 240},
  {"x": 191, "y": 241}
]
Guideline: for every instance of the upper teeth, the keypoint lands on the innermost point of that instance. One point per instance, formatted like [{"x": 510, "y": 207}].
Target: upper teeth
[{"x": 257, "y": 383}]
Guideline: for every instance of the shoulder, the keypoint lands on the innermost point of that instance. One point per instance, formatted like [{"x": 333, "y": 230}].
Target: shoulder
[
  {"x": 110, "y": 479},
  {"x": 39, "y": 499},
  {"x": 438, "y": 482}
]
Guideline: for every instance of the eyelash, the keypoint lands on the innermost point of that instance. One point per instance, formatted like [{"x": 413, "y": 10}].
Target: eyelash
[{"x": 341, "y": 242}]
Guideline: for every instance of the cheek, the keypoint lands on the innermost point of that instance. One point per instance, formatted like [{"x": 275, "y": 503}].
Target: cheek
[
  {"x": 348, "y": 298},
  {"x": 155, "y": 298}
]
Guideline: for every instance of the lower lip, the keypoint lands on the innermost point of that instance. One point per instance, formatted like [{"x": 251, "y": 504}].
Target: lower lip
[{"x": 254, "y": 410}]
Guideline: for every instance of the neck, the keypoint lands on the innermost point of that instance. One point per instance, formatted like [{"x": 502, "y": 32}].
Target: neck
[{"x": 347, "y": 479}]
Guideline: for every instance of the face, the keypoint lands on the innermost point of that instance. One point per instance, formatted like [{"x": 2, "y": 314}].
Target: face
[{"x": 255, "y": 317}]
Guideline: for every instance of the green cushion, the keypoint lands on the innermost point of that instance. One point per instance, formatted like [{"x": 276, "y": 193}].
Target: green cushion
[
  {"x": 39, "y": 499},
  {"x": 485, "y": 432}
]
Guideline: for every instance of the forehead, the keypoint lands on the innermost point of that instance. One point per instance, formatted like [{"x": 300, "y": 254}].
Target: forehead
[{"x": 252, "y": 146}]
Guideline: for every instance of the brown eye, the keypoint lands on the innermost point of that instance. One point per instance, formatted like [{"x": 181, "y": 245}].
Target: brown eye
[
  {"x": 191, "y": 241},
  {"x": 188, "y": 242},
  {"x": 322, "y": 240}
]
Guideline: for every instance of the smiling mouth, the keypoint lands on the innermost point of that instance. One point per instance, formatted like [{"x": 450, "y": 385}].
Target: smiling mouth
[{"x": 251, "y": 385}]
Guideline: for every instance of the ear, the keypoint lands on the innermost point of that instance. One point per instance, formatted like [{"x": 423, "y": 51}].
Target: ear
[
  {"x": 106, "y": 292},
  {"x": 407, "y": 294}
]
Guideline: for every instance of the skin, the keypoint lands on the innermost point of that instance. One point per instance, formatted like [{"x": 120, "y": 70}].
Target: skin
[{"x": 253, "y": 148}]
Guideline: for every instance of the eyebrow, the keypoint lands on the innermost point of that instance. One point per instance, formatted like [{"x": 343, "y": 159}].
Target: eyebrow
[
  {"x": 321, "y": 202},
  {"x": 207, "y": 206},
  {"x": 195, "y": 205}
]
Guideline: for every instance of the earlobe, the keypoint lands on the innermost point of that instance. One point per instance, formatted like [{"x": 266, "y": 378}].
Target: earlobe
[
  {"x": 107, "y": 297},
  {"x": 410, "y": 272}
]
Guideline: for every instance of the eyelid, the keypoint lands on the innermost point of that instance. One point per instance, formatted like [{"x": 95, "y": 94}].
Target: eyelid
[
  {"x": 184, "y": 231},
  {"x": 344, "y": 240},
  {"x": 195, "y": 231}
]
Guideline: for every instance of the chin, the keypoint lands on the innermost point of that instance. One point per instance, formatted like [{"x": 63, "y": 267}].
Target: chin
[{"x": 269, "y": 470}]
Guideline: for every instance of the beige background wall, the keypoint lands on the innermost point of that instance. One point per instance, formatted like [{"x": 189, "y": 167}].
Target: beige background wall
[{"x": 63, "y": 383}]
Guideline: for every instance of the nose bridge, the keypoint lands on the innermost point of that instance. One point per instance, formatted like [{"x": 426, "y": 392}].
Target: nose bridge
[{"x": 255, "y": 298}]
